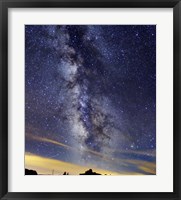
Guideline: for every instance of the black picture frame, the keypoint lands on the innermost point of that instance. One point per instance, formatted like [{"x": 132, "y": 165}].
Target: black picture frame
[{"x": 4, "y": 5}]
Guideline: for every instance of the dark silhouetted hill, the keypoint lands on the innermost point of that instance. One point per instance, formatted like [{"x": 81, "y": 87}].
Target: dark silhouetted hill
[
  {"x": 90, "y": 172},
  {"x": 30, "y": 172},
  {"x": 33, "y": 172}
]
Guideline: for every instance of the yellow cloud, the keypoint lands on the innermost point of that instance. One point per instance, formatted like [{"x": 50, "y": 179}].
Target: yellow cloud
[
  {"x": 144, "y": 166},
  {"x": 148, "y": 169},
  {"x": 42, "y": 139},
  {"x": 45, "y": 165}
]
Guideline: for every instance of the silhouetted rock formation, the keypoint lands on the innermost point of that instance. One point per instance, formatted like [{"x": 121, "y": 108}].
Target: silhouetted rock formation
[
  {"x": 90, "y": 172},
  {"x": 30, "y": 172}
]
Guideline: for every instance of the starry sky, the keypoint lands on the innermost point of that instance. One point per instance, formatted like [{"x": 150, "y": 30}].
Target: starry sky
[{"x": 90, "y": 98}]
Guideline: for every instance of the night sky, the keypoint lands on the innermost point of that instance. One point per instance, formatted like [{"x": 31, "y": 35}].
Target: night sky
[{"x": 90, "y": 98}]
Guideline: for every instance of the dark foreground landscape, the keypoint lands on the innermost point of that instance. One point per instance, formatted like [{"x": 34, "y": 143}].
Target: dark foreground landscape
[{"x": 88, "y": 172}]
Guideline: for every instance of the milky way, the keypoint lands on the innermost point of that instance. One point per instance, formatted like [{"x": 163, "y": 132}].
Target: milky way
[{"x": 91, "y": 95}]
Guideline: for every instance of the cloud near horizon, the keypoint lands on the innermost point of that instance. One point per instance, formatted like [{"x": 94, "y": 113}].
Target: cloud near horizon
[
  {"x": 44, "y": 165},
  {"x": 47, "y": 166}
]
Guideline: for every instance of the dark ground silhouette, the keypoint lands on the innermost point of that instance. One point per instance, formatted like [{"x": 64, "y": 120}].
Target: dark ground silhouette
[
  {"x": 30, "y": 172},
  {"x": 90, "y": 172}
]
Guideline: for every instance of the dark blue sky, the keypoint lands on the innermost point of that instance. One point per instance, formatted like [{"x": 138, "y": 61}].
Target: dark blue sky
[{"x": 92, "y": 88}]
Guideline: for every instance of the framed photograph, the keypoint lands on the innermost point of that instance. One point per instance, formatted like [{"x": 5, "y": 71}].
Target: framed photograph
[{"x": 90, "y": 88}]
